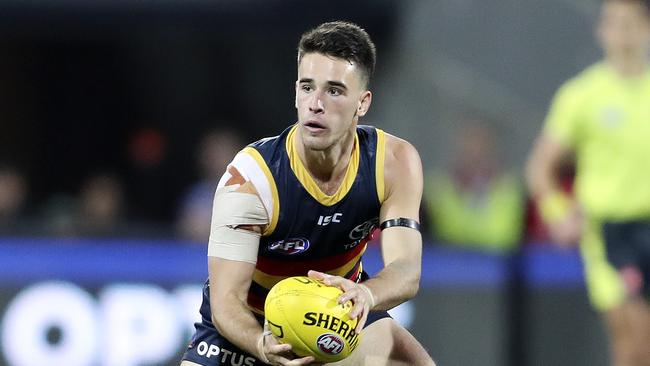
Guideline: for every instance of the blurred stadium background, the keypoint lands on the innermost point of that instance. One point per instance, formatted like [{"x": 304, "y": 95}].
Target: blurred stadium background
[{"x": 104, "y": 106}]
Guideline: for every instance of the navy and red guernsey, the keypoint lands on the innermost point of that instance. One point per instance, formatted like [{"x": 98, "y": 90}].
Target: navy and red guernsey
[{"x": 309, "y": 229}]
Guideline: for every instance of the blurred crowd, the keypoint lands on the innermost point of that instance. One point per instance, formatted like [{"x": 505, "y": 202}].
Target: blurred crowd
[
  {"x": 104, "y": 205},
  {"x": 474, "y": 201},
  {"x": 478, "y": 202}
]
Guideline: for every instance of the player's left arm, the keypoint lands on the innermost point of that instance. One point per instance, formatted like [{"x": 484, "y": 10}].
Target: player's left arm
[{"x": 401, "y": 246}]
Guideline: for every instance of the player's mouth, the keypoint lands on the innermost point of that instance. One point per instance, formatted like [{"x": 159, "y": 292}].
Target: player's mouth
[{"x": 314, "y": 126}]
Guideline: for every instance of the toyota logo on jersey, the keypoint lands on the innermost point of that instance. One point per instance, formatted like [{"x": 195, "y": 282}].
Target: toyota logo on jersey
[
  {"x": 289, "y": 246},
  {"x": 363, "y": 230}
]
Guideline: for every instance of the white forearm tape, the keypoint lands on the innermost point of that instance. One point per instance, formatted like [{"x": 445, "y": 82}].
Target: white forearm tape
[{"x": 231, "y": 210}]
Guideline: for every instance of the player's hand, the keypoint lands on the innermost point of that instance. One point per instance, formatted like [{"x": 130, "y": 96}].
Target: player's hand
[
  {"x": 566, "y": 231},
  {"x": 276, "y": 353},
  {"x": 359, "y": 294}
]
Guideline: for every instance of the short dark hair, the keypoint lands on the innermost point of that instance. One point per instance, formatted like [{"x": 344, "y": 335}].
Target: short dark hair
[{"x": 342, "y": 40}]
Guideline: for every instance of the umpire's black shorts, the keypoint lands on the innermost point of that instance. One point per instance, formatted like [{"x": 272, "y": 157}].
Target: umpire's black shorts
[{"x": 628, "y": 244}]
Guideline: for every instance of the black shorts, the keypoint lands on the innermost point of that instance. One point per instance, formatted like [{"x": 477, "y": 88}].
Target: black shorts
[
  {"x": 209, "y": 348},
  {"x": 628, "y": 244}
]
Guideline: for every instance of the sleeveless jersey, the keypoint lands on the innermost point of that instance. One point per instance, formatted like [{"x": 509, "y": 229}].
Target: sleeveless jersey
[{"x": 309, "y": 229}]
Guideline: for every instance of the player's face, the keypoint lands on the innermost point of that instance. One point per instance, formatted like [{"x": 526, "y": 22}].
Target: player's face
[
  {"x": 624, "y": 28},
  {"x": 330, "y": 98}
]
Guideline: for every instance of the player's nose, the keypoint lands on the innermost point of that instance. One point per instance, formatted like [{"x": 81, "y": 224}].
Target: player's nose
[{"x": 316, "y": 103}]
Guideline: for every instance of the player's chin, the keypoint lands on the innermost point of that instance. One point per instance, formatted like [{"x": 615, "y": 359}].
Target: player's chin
[{"x": 317, "y": 143}]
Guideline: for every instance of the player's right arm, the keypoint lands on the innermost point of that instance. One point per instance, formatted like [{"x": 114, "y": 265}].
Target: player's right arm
[
  {"x": 229, "y": 282},
  {"x": 552, "y": 149},
  {"x": 237, "y": 222}
]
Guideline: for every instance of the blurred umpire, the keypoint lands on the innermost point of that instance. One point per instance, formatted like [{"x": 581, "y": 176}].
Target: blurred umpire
[{"x": 601, "y": 118}]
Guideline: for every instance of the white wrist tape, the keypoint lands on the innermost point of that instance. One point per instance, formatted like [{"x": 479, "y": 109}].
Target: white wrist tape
[
  {"x": 260, "y": 349},
  {"x": 230, "y": 210},
  {"x": 372, "y": 297}
]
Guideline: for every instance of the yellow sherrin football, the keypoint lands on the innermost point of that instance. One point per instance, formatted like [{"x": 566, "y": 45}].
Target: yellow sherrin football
[{"x": 305, "y": 313}]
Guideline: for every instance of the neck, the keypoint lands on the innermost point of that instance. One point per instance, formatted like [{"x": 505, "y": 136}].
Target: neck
[
  {"x": 628, "y": 65},
  {"x": 329, "y": 164}
]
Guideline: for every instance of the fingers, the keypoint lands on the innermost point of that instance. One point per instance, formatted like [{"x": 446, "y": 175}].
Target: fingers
[
  {"x": 340, "y": 282},
  {"x": 344, "y": 284},
  {"x": 279, "y": 348},
  {"x": 275, "y": 352},
  {"x": 279, "y": 360},
  {"x": 362, "y": 322},
  {"x": 352, "y": 292},
  {"x": 317, "y": 275},
  {"x": 360, "y": 306}
]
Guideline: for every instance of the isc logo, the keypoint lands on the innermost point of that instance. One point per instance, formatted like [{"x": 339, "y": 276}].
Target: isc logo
[
  {"x": 330, "y": 344},
  {"x": 326, "y": 220}
]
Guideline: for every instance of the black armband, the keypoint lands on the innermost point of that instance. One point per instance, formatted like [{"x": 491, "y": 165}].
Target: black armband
[{"x": 400, "y": 221}]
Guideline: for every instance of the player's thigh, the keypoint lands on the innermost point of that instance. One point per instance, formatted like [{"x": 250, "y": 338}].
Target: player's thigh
[
  {"x": 385, "y": 342},
  {"x": 375, "y": 346}
]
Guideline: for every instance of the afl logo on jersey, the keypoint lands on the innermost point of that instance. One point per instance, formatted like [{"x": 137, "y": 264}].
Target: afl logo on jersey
[{"x": 289, "y": 246}]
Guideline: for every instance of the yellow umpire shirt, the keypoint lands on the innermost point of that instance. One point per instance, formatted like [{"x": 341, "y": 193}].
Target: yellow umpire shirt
[{"x": 605, "y": 119}]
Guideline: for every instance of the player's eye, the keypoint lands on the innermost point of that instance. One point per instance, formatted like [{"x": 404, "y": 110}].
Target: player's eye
[
  {"x": 335, "y": 91},
  {"x": 306, "y": 87}
]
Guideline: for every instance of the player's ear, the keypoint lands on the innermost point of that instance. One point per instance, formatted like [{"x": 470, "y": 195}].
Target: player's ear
[
  {"x": 364, "y": 103},
  {"x": 295, "y": 96}
]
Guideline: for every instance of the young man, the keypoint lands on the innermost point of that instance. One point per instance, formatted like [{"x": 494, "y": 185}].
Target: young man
[
  {"x": 306, "y": 202},
  {"x": 602, "y": 117}
]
